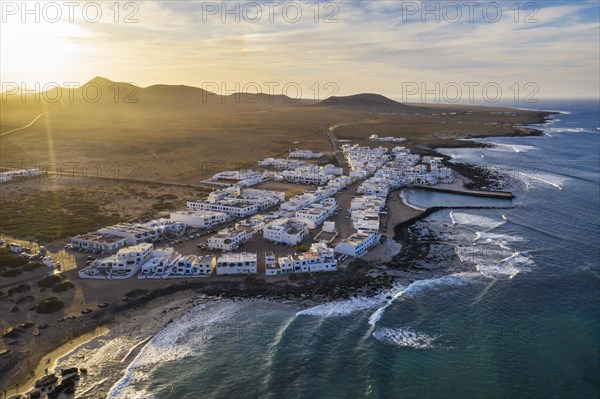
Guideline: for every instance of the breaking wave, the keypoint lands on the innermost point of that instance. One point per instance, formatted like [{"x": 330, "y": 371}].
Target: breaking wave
[
  {"x": 463, "y": 218},
  {"x": 420, "y": 286},
  {"x": 343, "y": 308},
  {"x": 184, "y": 337},
  {"x": 404, "y": 338}
]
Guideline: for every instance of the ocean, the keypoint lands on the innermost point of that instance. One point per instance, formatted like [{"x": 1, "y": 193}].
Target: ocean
[{"x": 523, "y": 323}]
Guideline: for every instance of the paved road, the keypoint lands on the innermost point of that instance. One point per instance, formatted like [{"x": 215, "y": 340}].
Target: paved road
[{"x": 336, "y": 148}]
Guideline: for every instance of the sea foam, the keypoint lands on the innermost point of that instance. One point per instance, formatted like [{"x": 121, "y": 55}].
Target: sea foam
[
  {"x": 183, "y": 337},
  {"x": 404, "y": 338}
]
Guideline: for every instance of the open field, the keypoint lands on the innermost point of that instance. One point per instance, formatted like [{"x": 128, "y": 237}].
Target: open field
[{"x": 47, "y": 209}]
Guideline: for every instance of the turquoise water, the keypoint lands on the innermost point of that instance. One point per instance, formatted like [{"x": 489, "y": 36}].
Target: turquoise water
[{"x": 524, "y": 323}]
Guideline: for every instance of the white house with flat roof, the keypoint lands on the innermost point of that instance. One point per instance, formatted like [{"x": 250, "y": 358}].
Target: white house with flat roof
[
  {"x": 200, "y": 219},
  {"x": 311, "y": 174},
  {"x": 300, "y": 201},
  {"x": 305, "y": 154},
  {"x": 253, "y": 225},
  {"x": 236, "y": 263},
  {"x": 98, "y": 242},
  {"x": 358, "y": 244},
  {"x": 228, "y": 239},
  {"x": 232, "y": 206},
  {"x": 242, "y": 178},
  {"x": 122, "y": 265},
  {"x": 159, "y": 265},
  {"x": 134, "y": 232},
  {"x": 287, "y": 231},
  {"x": 315, "y": 214},
  {"x": 366, "y": 202},
  {"x": 193, "y": 266},
  {"x": 217, "y": 195},
  {"x": 262, "y": 198},
  {"x": 320, "y": 258},
  {"x": 280, "y": 163},
  {"x": 366, "y": 219}
]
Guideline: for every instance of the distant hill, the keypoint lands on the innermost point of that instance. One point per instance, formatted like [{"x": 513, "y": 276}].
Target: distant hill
[{"x": 369, "y": 102}]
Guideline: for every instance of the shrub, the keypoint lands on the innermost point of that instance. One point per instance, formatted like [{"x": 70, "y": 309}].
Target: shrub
[
  {"x": 63, "y": 286},
  {"x": 19, "y": 289},
  {"x": 32, "y": 266},
  {"x": 25, "y": 299},
  {"x": 136, "y": 292},
  {"x": 11, "y": 334},
  {"x": 49, "y": 281},
  {"x": 49, "y": 305},
  {"x": 8, "y": 260},
  {"x": 11, "y": 273},
  {"x": 301, "y": 249}
]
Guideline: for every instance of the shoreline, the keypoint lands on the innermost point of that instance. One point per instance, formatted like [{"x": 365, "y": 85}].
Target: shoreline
[{"x": 304, "y": 291}]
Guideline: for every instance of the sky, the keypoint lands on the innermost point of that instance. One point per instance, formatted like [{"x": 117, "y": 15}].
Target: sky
[{"x": 407, "y": 50}]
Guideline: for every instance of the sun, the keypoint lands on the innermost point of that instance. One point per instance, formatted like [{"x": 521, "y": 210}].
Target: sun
[{"x": 38, "y": 52}]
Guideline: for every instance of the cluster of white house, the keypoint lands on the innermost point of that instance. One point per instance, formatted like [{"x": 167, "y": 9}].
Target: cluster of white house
[
  {"x": 164, "y": 263},
  {"x": 230, "y": 239},
  {"x": 111, "y": 238},
  {"x": 390, "y": 171},
  {"x": 12, "y": 174},
  {"x": 305, "y": 154},
  {"x": 379, "y": 169},
  {"x": 307, "y": 198},
  {"x": 241, "y": 178},
  {"x": 236, "y": 202},
  {"x": 310, "y": 174},
  {"x": 375, "y": 137},
  {"x": 280, "y": 163},
  {"x": 320, "y": 258}
]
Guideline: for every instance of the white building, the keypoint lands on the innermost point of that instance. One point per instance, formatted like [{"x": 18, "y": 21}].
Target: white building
[
  {"x": 376, "y": 186},
  {"x": 228, "y": 239},
  {"x": 160, "y": 264},
  {"x": 231, "y": 206},
  {"x": 236, "y": 263},
  {"x": 286, "y": 231},
  {"x": 122, "y": 265},
  {"x": 167, "y": 264},
  {"x": 315, "y": 214},
  {"x": 366, "y": 202},
  {"x": 358, "y": 244},
  {"x": 217, "y": 195},
  {"x": 329, "y": 227},
  {"x": 262, "y": 198},
  {"x": 242, "y": 178},
  {"x": 305, "y": 154},
  {"x": 193, "y": 266},
  {"x": 320, "y": 258},
  {"x": 134, "y": 233},
  {"x": 311, "y": 174},
  {"x": 301, "y": 201},
  {"x": 280, "y": 163},
  {"x": 365, "y": 219},
  {"x": 253, "y": 225},
  {"x": 200, "y": 219},
  {"x": 98, "y": 242}
]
